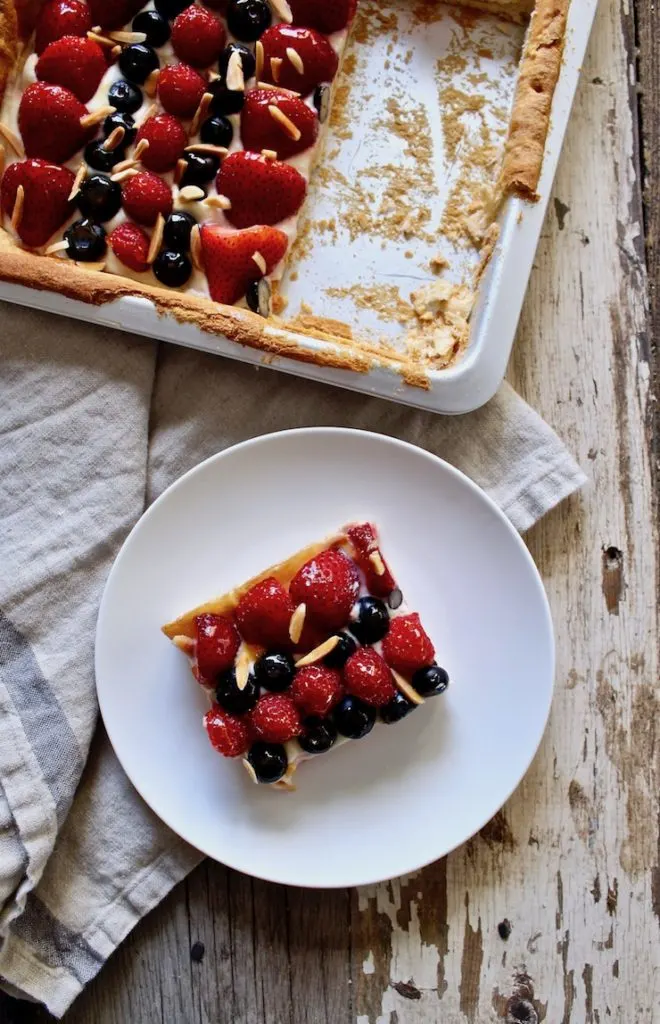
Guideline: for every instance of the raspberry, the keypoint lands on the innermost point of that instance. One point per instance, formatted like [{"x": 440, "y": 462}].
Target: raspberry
[
  {"x": 131, "y": 246},
  {"x": 328, "y": 584},
  {"x": 180, "y": 89},
  {"x": 217, "y": 644},
  {"x": 275, "y": 719},
  {"x": 407, "y": 647},
  {"x": 264, "y": 613},
  {"x": 229, "y": 735},
  {"x": 367, "y": 676},
  {"x": 167, "y": 141},
  {"x": 198, "y": 37},
  {"x": 316, "y": 689},
  {"x": 364, "y": 539},
  {"x": 145, "y": 196}
]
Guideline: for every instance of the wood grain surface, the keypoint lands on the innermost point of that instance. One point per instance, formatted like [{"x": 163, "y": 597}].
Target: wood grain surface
[{"x": 553, "y": 912}]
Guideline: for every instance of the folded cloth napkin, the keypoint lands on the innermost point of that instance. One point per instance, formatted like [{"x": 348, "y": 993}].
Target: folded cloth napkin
[{"x": 94, "y": 426}]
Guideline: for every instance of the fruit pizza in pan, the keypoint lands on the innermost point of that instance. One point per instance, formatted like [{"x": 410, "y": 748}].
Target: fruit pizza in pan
[{"x": 308, "y": 655}]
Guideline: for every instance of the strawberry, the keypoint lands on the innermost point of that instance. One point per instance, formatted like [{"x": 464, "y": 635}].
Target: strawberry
[
  {"x": 131, "y": 246},
  {"x": 275, "y": 719},
  {"x": 228, "y": 258},
  {"x": 367, "y": 676},
  {"x": 145, "y": 196},
  {"x": 316, "y": 689},
  {"x": 59, "y": 18},
  {"x": 46, "y": 207},
  {"x": 49, "y": 121},
  {"x": 77, "y": 64},
  {"x": 407, "y": 647},
  {"x": 326, "y": 16},
  {"x": 217, "y": 645},
  {"x": 180, "y": 89},
  {"x": 263, "y": 614},
  {"x": 114, "y": 14},
  {"x": 364, "y": 538},
  {"x": 228, "y": 734},
  {"x": 261, "y": 191},
  {"x": 319, "y": 60},
  {"x": 328, "y": 585},
  {"x": 260, "y": 130},
  {"x": 167, "y": 141},
  {"x": 198, "y": 37}
]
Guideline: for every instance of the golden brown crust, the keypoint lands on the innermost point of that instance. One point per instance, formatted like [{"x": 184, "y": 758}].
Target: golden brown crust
[
  {"x": 8, "y": 42},
  {"x": 516, "y": 10}
]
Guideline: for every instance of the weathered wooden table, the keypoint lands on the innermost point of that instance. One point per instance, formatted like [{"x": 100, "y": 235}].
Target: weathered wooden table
[{"x": 553, "y": 911}]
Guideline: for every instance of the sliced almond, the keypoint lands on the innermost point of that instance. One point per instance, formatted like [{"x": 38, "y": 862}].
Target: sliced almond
[
  {"x": 201, "y": 112},
  {"x": 196, "y": 247},
  {"x": 151, "y": 112},
  {"x": 275, "y": 67},
  {"x": 319, "y": 652},
  {"x": 243, "y": 666},
  {"x": 235, "y": 78},
  {"x": 128, "y": 172},
  {"x": 115, "y": 52},
  {"x": 377, "y": 563},
  {"x": 180, "y": 170},
  {"x": 185, "y": 644},
  {"x": 259, "y": 59},
  {"x": 114, "y": 139},
  {"x": 128, "y": 37},
  {"x": 295, "y": 59},
  {"x": 96, "y": 35},
  {"x": 406, "y": 689},
  {"x": 81, "y": 173},
  {"x": 8, "y": 135},
  {"x": 17, "y": 212},
  {"x": 250, "y": 770},
  {"x": 261, "y": 263},
  {"x": 279, "y": 88},
  {"x": 281, "y": 10},
  {"x": 284, "y": 122},
  {"x": 156, "y": 239},
  {"x": 89, "y": 120},
  {"x": 269, "y": 154},
  {"x": 207, "y": 147},
  {"x": 151, "y": 84},
  {"x": 140, "y": 149},
  {"x": 218, "y": 202},
  {"x": 191, "y": 194},
  {"x": 298, "y": 617},
  {"x": 56, "y": 247}
]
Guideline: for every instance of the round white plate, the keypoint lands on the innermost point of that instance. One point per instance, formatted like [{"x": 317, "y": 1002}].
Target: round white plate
[{"x": 408, "y": 793}]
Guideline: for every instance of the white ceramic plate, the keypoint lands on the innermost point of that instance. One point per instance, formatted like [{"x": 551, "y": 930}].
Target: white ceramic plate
[{"x": 408, "y": 793}]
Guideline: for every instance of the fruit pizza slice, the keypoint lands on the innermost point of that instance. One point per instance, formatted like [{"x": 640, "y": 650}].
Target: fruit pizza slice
[{"x": 308, "y": 655}]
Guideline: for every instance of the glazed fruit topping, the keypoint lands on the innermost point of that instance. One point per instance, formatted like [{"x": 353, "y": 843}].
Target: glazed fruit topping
[
  {"x": 232, "y": 261},
  {"x": 340, "y": 654},
  {"x": 217, "y": 131},
  {"x": 198, "y": 36},
  {"x": 137, "y": 61},
  {"x": 145, "y": 196},
  {"x": 172, "y": 268},
  {"x": 353, "y": 718},
  {"x": 316, "y": 689},
  {"x": 99, "y": 198},
  {"x": 407, "y": 647},
  {"x": 231, "y": 698},
  {"x": 367, "y": 676},
  {"x": 274, "y": 671},
  {"x": 328, "y": 585},
  {"x": 370, "y": 620},
  {"x": 180, "y": 89},
  {"x": 246, "y": 57},
  {"x": 154, "y": 26},
  {"x": 261, "y": 191},
  {"x": 59, "y": 18},
  {"x": 177, "y": 231},
  {"x": 170, "y": 8},
  {"x": 248, "y": 19},
  {"x": 201, "y": 168},
  {"x": 327, "y": 16},
  {"x": 77, "y": 63},
  {"x": 217, "y": 644},
  {"x": 318, "y": 735},
  {"x": 263, "y": 613},
  {"x": 228, "y": 734},
  {"x": 275, "y": 719},
  {"x": 277, "y": 121},
  {"x": 378, "y": 578},
  {"x": 46, "y": 206},
  {"x": 225, "y": 101},
  {"x": 100, "y": 158},
  {"x": 49, "y": 120},
  {"x": 167, "y": 141},
  {"x": 86, "y": 241},
  {"x": 113, "y": 14},
  {"x": 123, "y": 121},
  {"x": 313, "y": 54},
  {"x": 130, "y": 245},
  {"x": 125, "y": 96},
  {"x": 430, "y": 681},
  {"x": 268, "y": 761},
  {"x": 399, "y": 707}
]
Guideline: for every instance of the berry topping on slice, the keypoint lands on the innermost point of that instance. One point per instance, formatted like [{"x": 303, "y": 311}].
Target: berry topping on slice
[
  {"x": 274, "y": 671},
  {"x": 167, "y": 141},
  {"x": 172, "y": 268},
  {"x": 230, "y": 266},
  {"x": 145, "y": 196},
  {"x": 316, "y": 689},
  {"x": 246, "y": 57},
  {"x": 318, "y": 735},
  {"x": 275, "y": 120},
  {"x": 77, "y": 64},
  {"x": 231, "y": 698},
  {"x": 130, "y": 245},
  {"x": 371, "y": 620},
  {"x": 407, "y": 647},
  {"x": 113, "y": 14},
  {"x": 353, "y": 718},
  {"x": 124, "y": 121},
  {"x": 59, "y": 18},
  {"x": 99, "y": 198},
  {"x": 180, "y": 89},
  {"x": 217, "y": 644},
  {"x": 154, "y": 26},
  {"x": 178, "y": 229},
  {"x": 328, "y": 585},
  {"x": 288, "y": 49},
  {"x": 263, "y": 613},
  {"x": 217, "y": 131},
  {"x": 137, "y": 62},
  {"x": 198, "y": 36},
  {"x": 100, "y": 158},
  {"x": 378, "y": 577},
  {"x": 367, "y": 676},
  {"x": 126, "y": 97},
  {"x": 399, "y": 707},
  {"x": 49, "y": 121},
  {"x": 229, "y": 735},
  {"x": 170, "y": 8},
  {"x": 46, "y": 204},
  {"x": 261, "y": 191},
  {"x": 201, "y": 168},
  {"x": 268, "y": 761},
  {"x": 340, "y": 654},
  {"x": 86, "y": 241},
  {"x": 275, "y": 719},
  {"x": 247, "y": 19},
  {"x": 430, "y": 681},
  {"x": 327, "y": 17}
]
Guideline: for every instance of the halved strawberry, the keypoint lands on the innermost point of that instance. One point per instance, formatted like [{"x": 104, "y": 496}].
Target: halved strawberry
[
  {"x": 229, "y": 262},
  {"x": 46, "y": 205},
  {"x": 325, "y": 15},
  {"x": 262, "y": 128},
  {"x": 264, "y": 613},
  {"x": 77, "y": 64},
  {"x": 318, "y": 60},
  {"x": 145, "y": 196},
  {"x": 113, "y": 14},
  {"x": 167, "y": 141},
  {"x": 364, "y": 538},
  {"x": 198, "y": 37},
  {"x": 130, "y": 245},
  {"x": 49, "y": 121},
  {"x": 217, "y": 645},
  {"x": 261, "y": 191},
  {"x": 180, "y": 89},
  {"x": 328, "y": 585},
  {"x": 59, "y": 18}
]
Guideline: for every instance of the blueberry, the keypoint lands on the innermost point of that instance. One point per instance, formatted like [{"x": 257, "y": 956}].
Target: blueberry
[
  {"x": 86, "y": 241},
  {"x": 397, "y": 709},
  {"x": 172, "y": 269},
  {"x": 248, "y": 61},
  {"x": 248, "y": 19},
  {"x": 126, "y": 97},
  {"x": 233, "y": 700},
  {"x": 372, "y": 622},
  {"x": 430, "y": 681},
  {"x": 99, "y": 198},
  {"x": 102, "y": 159},
  {"x": 274, "y": 671},
  {"x": 202, "y": 168},
  {"x": 269, "y": 761},
  {"x": 124, "y": 121},
  {"x": 354, "y": 718},
  {"x": 217, "y": 131},
  {"x": 154, "y": 26},
  {"x": 259, "y": 297},
  {"x": 137, "y": 61},
  {"x": 170, "y": 8},
  {"x": 342, "y": 652},
  {"x": 318, "y": 735},
  {"x": 176, "y": 234},
  {"x": 225, "y": 101}
]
